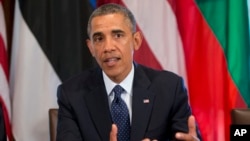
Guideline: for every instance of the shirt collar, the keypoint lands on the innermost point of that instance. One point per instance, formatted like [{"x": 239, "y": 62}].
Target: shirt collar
[{"x": 126, "y": 84}]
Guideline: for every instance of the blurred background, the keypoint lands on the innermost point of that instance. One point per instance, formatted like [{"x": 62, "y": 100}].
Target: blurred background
[{"x": 42, "y": 43}]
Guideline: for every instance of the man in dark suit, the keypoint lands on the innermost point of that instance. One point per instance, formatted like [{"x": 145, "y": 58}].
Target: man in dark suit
[
  {"x": 147, "y": 104},
  {"x": 2, "y": 126}
]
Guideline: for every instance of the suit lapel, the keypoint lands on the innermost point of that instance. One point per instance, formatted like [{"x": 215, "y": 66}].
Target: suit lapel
[
  {"x": 142, "y": 104},
  {"x": 97, "y": 103}
]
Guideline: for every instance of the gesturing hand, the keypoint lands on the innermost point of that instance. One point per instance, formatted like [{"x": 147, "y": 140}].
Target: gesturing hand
[
  {"x": 191, "y": 135},
  {"x": 113, "y": 133}
]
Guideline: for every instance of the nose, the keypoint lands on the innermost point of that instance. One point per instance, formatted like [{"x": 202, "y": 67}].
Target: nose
[{"x": 109, "y": 45}]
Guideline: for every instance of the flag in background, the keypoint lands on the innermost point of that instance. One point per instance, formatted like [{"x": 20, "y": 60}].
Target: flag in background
[
  {"x": 217, "y": 58},
  {"x": 194, "y": 38},
  {"x": 206, "y": 42},
  {"x": 4, "y": 75},
  {"x": 48, "y": 48},
  {"x": 248, "y": 3}
]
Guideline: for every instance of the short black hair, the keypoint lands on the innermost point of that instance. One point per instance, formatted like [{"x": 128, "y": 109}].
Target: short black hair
[{"x": 112, "y": 8}]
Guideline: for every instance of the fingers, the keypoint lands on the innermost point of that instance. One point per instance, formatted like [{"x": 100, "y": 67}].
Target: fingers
[
  {"x": 113, "y": 133},
  {"x": 191, "y": 135},
  {"x": 184, "y": 136},
  {"x": 147, "y": 139},
  {"x": 192, "y": 126}
]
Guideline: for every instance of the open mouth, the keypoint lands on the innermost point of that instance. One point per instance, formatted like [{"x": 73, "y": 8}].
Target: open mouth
[{"x": 111, "y": 61}]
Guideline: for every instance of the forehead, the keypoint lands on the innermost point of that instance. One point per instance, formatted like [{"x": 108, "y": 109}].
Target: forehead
[{"x": 109, "y": 21}]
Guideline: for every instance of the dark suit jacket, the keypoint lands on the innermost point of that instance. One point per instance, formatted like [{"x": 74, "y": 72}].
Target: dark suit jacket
[
  {"x": 84, "y": 113},
  {"x": 2, "y": 126}
]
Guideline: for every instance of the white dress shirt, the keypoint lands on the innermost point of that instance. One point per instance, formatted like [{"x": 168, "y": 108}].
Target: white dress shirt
[{"x": 126, "y": 84}]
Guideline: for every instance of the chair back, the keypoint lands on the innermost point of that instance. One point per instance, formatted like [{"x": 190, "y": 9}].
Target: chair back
[
  {"x": 240, "y": 116},
  {"x": 53, "y": 114}
]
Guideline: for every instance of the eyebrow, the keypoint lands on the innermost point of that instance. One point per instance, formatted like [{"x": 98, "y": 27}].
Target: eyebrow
[
  {"x": 113, "y": 31},
  {"x": 117, "y": 31},
  {"x": 97, "y": 34}
]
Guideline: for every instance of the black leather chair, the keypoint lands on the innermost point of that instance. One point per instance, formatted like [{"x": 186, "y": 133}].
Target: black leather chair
[
  {"x": 53, "y": 114},
  {"x": 240, "y": 116}
]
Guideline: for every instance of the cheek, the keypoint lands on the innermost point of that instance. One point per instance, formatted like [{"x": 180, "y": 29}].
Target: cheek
[
  {"x": 129, "y": 52},
  {"x": 97, "y": 51},
  {"x": 128, "y": 46},
  {"x": 99, "y": 55}
]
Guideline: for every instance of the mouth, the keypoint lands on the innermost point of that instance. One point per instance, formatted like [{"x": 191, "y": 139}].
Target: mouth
[{"x": 111, "y": 61}]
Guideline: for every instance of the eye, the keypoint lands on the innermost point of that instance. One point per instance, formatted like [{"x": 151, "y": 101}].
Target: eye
[
  {"x": 98, "y": 38},
  {"x": 118, "y": 35}
]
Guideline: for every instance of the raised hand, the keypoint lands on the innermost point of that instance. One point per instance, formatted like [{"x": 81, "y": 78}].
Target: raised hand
[
  {"x": 191, "y": 135},
  {"x": 113, "y": 133}
]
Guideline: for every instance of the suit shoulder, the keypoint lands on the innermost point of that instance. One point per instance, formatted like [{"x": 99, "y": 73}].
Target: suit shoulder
[
  {"x": 161, "y": 74},
  {"x": 79, "y": 80}
]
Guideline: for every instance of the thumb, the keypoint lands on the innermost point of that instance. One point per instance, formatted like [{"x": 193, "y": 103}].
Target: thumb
[
  {"x": 192, "y": 126},
  {"x": 113, "y": 133}
]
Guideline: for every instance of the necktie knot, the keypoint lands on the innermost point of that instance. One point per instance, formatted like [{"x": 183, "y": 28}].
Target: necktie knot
[{"x": 118, "y": 91}]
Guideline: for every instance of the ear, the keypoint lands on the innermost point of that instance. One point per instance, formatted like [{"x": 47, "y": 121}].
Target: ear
[
  {"x": 91, "y": 48},
  {"x": 137, "y": 40}
]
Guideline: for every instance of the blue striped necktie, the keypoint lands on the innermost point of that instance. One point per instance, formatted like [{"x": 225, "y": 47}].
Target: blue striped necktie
[{"x": 120, "y": 115}]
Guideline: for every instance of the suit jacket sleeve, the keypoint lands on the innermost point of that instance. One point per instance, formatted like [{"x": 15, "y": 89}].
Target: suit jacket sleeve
[
  {"x": 67, "y": 129},
  {"x": 181, "y": 111},
  {"x": 2, "y": 127}
]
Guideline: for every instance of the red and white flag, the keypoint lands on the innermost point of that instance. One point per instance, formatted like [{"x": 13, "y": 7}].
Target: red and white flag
[
  {"x": 47, "y": 48},
  {"x": 4, "y": 74}
]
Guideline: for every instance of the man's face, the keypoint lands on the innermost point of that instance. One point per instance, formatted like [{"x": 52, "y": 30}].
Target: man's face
[{"x": 112, "y": 43}]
